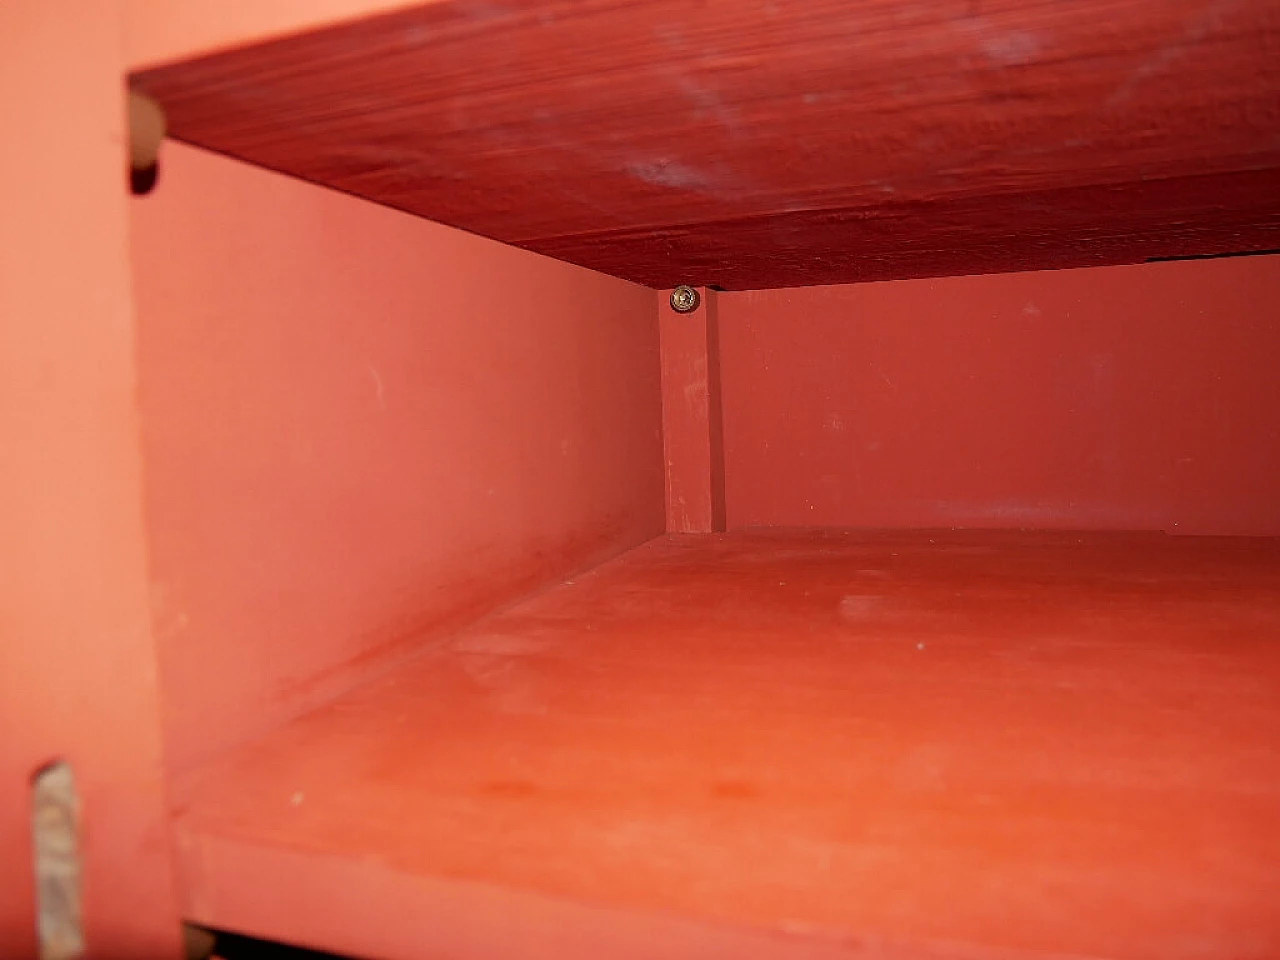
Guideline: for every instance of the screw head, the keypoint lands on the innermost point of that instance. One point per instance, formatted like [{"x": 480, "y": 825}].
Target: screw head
[{"x": 685, "y": 299}]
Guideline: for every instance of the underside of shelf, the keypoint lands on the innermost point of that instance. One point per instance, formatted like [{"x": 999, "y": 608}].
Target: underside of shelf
[
  {"x": 811, "y": 744},
  {"x": 759, "y": 144}
]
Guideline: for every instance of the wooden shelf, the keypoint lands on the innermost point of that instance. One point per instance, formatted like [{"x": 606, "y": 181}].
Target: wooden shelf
[
  {"x": 749, "y": 144},
  {"x": 810, "y": 744}
]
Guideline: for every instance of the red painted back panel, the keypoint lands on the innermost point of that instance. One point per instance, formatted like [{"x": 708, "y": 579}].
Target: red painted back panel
[
  {"x": 1114, "y": 398},
  {"x": 692, "y": 425},
  {"x": 360, "y": 428}
]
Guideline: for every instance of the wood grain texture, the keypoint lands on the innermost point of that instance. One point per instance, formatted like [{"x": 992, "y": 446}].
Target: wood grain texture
[
  {"x": 755, "y": 144},
  {"x": 865, "y": 745}
]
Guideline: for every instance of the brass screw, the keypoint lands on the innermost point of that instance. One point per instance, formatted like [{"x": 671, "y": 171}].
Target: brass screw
[{"x": 685, "y": 299}]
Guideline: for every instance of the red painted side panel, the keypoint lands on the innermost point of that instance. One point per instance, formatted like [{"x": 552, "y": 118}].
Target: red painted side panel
[
  {"x": 362, "y": 428},
  {"x": 160, "y": 31},
  {"x": 693, "y": 428},
  {"x": 1127, "y": 397},
  {"x": 77, "y": 661}
]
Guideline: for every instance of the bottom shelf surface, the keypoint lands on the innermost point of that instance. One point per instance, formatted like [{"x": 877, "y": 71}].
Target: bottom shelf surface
[{"x": 790, "y": 744}]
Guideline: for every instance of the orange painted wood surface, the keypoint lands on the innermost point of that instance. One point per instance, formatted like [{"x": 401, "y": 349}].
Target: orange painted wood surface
[
  {"x": 923, "y": 744},
  {"x": 692, "y": 424},
  {"x": 160, "y": 31},
  {"x": 361, "y": 429},
  {"x": 78, "y": 669},
  {"x": 756, "y": 144},
  {"x": 1139, "y": 397}
]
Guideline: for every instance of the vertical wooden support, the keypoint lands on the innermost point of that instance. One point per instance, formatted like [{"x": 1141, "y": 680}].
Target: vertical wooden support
[
  {"x": 692, "y": 423},
  {"x": 78, "y": 672}
]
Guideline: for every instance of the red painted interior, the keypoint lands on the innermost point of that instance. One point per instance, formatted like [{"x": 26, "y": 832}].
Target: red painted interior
[
  {"x": 78, "y": 678},
  {"x": 1139, "y": 397},
  {"x": 905, "y": 745},
  {"x": 159, "y": 31},
  {"x": 692, "y": 424},
  {"x": 361, "y": 429},
  {"x": 275, "y": 507},
  {"x": 747, "y": 143}
]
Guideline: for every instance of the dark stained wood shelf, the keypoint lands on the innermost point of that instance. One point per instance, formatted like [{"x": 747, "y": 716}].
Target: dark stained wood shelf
[
  {"x": 812, "y": 744},
  {"x": 750, "y": 144}
]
